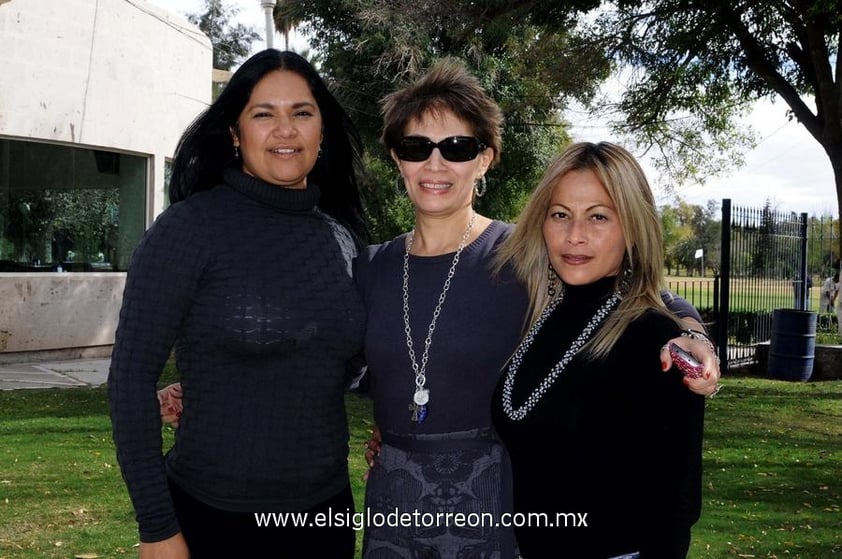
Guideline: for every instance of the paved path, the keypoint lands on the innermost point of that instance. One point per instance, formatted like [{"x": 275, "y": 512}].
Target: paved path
[{"x": 54, "y": 374}]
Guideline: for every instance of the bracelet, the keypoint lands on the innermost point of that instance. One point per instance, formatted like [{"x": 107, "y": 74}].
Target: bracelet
[{"x": 701, "y": 336}]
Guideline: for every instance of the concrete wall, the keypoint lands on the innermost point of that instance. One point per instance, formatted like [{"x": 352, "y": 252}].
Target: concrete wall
[
  {"x": 107, "y": 74},
  {"x": 102, "y": 73},
  {"x": 827, "y": 361},
  {"x": 53, "y": 311}
]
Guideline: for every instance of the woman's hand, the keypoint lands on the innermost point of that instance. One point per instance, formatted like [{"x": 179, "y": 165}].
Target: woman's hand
[
  {"x": 171, "y": 404},
  {"x": 708, "y": 383},
  {"x": 170, "y": 548},
  {"x": 372, "y": 449}
]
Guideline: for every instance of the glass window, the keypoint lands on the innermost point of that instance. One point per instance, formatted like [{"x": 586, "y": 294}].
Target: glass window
[
  {"x": 167, "y": 177},
  {"x": 70, "y": 209}
]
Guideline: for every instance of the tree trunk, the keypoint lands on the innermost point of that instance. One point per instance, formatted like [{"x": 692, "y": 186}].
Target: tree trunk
[{"x": 835, "y": 154}]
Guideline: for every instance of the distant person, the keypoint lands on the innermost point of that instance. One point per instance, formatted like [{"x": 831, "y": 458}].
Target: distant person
[
  {"x": 809, "y": 284},
  {"x": 838, "y": 302},
  {"x": 828, "y": 294},
  {"x": 247, "y": 275}
]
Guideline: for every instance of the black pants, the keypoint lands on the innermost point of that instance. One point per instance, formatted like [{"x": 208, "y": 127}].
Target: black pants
[{"x": 212, "y": 533}]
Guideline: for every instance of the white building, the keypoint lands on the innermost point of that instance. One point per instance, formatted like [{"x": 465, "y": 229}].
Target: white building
[{"x": 94, "y": 95}]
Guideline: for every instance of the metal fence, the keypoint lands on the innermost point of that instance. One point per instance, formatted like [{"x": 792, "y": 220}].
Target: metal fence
[
  {"x": 764, "y": 267},
  {"x": 769, "y": 260}
]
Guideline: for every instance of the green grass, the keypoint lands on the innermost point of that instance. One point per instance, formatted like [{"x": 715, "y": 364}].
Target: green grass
[
  {"x": 750, "y": 295},
  {"x": 746, "y": 294},
  {"x": 773, "y": 473}
]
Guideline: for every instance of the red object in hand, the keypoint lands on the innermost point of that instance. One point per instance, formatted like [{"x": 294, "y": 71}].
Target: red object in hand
[{"x": 685, "y": 362}]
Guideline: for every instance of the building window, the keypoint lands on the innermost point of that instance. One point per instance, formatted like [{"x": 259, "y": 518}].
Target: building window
[
  {"x": 167, "y": 179},
  {"x": 70, "y": 209}
]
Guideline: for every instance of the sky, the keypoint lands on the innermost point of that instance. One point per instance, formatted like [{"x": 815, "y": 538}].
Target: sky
[{"x": 787, "y": 167}]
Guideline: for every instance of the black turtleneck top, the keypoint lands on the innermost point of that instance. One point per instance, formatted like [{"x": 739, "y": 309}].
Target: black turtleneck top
[
  {"x": 251, "y": 284},
  {"x": 611, "y": 454}
]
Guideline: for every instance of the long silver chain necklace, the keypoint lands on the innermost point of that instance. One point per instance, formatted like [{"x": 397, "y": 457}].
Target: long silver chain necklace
[
  {"x": 421, "y": 397},
  {"x": 511, "y": 372}
]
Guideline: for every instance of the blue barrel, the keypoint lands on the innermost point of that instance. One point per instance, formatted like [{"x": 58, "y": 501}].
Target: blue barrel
[{"x": 792, "y": 349}]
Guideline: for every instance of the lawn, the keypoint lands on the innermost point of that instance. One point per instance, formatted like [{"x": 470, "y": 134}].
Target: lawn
[
  {"x": 746, "y": 293},
  {"x": 773, "y": 480}
]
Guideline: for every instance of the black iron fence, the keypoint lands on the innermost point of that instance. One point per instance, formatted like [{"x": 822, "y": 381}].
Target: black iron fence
[
  {"x": 764, "y": 267},
  {"x": 702, "y": 293},
  {"x": 768, "y": 260}
]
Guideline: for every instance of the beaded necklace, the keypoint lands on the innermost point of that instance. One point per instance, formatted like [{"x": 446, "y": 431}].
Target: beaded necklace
[{"x": 514, "y": 364}]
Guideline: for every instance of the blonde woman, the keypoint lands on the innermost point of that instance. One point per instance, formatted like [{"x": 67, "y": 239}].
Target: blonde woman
[{"x": 586, "y": 380}]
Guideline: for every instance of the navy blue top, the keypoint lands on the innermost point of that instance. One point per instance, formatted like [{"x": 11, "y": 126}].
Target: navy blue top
[{"x": 480, "y": 324}]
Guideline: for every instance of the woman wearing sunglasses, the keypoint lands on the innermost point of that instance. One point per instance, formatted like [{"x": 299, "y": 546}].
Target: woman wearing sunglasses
[{"x": 440, "y": 326}]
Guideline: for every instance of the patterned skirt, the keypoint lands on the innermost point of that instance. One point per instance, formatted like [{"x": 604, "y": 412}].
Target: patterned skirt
[{"x": 439, "y": 497}]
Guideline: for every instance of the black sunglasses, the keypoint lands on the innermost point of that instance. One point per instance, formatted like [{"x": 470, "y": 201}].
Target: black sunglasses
[{"x": 454, "y": 148}]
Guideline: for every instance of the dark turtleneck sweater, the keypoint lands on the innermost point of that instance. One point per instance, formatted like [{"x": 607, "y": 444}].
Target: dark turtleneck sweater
[
  {"x": 616, "y": 439},
  {"x": 251, "y": 284}
]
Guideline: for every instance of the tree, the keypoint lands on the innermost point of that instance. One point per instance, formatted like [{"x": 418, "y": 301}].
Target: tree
[
  {"x": 521, "y": 52},
  {"x": 675, "y": 224},
  {"x": 710, "y": 235},
  {"x": 823, "y": 250},
  {"x": 695, "y": 65},
  {"x": 686, "y": 229},
  {"x": 285, "y": 20},
  {"x": 231, "y": 43},
  {"x": 87, "y": 216}
]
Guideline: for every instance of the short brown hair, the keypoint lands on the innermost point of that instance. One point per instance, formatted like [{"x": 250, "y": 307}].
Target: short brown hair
[{"x": 447, "y": 86}]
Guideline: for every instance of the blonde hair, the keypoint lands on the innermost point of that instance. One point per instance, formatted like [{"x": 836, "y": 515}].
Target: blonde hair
[{"x": 621, "y": 175}]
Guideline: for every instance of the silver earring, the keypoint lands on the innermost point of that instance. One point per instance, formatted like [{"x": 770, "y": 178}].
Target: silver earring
[
  {"x": 480, "y": 186},
  {"x": 625, "y": 281},
  {"x": 399, "y": 186},
  {"x": 551, "y": 281},
  {"x": 236, "y": 152}
]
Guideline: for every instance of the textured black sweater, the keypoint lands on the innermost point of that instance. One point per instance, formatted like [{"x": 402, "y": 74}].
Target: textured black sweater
[
  {"x": 617, "y": 440},
  {"x": 251, "y": 284}
]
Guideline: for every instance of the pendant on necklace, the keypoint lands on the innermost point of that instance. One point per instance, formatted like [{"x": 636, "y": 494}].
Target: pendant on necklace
[
  {"x": 419, "y": 412},
  {"x": 419, "y": 405}
]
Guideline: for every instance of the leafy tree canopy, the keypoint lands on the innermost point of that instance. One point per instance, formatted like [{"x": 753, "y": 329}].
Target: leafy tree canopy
[
  {"x": 522, "y": 52},
  {"x": 231, "y": 43},
  {"x": 693, "y": 67}
]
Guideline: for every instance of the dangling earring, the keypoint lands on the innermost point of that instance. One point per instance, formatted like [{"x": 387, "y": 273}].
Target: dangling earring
[
  {"x": 480, "y": 186},
  {"x": 236, "y": 152},
  {"x": 399, "y": 186},
  {"x": 320, "y": 152},
  {"x": 625, "y": 281},
  {"x": 551, "y": 281}
]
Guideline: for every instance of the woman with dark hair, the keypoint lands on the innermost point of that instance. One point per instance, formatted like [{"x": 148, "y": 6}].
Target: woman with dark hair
[
  {"x": 247, "y": 275},
  {"x": 205, "y": 150}
]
